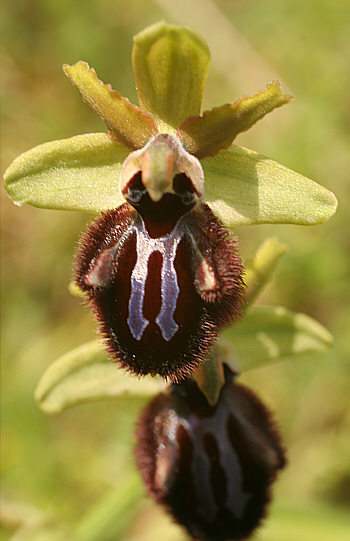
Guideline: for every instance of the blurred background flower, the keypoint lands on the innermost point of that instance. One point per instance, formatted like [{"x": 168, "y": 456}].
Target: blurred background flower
[{"x": 65, "y": 465}]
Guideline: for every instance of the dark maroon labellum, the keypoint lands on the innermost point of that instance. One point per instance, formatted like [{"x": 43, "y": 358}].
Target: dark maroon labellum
[
  {"x": 162, "y": 278},
  {"x": 212, "y": 467}
]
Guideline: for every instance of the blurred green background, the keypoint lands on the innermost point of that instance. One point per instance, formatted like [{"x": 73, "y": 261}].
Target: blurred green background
[{"x": 77, "y": 469}]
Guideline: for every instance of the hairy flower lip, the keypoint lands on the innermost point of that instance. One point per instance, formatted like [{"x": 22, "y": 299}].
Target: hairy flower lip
[
  {"x": 160, "y": 296},
  {"x": 211, "y": 467},
  {"x": 84, "y": 172}
]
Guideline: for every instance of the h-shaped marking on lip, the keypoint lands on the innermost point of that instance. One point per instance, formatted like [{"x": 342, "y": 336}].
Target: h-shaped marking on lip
[{"x": 145, "y": 246}]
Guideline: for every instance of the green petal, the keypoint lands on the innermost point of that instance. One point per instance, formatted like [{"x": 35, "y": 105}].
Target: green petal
[
  {"x": 244, "y": 188},
  {"x": 85, "y": 374},
  {"x": 126, "y": 123},
  {"x": 170, "y": 64},
  {"x": 270, "y": 334},
  {"x": 206, "y": 135},
  {"x": 80, "y": 173}
]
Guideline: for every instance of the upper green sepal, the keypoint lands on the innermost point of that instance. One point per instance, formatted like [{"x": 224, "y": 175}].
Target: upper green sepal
[
  {"x": 244, "y": 188},
  {"x": 126, "y": 123},
  {"x": 171, "y": 64},
  {"x": 79, "y": 173},
  {"x": 206, "y": 135}
]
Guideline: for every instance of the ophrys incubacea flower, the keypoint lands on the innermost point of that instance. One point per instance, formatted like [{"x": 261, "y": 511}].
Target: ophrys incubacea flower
[{"x": 159, "y": 268}]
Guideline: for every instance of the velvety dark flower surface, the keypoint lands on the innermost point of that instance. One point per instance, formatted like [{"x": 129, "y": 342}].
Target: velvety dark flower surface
[
  {"x": 161, "y": 286},
  {"x": 211, "y": 467}
]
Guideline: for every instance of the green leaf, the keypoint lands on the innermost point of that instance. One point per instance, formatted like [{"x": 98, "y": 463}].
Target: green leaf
[
  {"x": 80, "y": 173},
  {"x": 86, "y": 374},
  {"x": 52, "y": 531},
  {"x": 259, "y": 269},
  {"x": 126, "y": 123},
  {"x": 244, "y": 188},
  {"x": 171, "y": 64},
  {"x": 113, "y": 513},
  {"x": 313, "y": 521},
  {"x": 206, "y": 135},
  {"x": 270, "y": 334}
]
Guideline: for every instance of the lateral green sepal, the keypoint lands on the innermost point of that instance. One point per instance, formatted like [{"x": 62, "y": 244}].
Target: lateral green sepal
[
  {"x": 79, "y": 173},
  {"x": 244, "y": 188}
]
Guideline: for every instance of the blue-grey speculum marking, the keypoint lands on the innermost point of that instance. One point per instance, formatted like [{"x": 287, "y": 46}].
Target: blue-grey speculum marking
[
  {"x": 236, "y": 497},
  {"x": 145, "y": 246}
]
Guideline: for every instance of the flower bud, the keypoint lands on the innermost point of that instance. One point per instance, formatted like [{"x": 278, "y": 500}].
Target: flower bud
[{"x": 211, "y": 467}]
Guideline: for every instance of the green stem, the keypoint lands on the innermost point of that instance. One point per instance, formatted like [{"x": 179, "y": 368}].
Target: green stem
[{"x": 107, "y": 520}]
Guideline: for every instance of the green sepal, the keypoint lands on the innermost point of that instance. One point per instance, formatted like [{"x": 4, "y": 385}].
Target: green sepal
[
  {"x": 79, "y": 173},
  {"x": 86, "y": 374},
  {"x": 126, "y": 123},
  {"x": 209, "y": 376},
  {"x": 170, "y": 65},
  {"x": 269, "y": 334},
  {"x": 243, "y": 188},
  {"x": 206, "y": 135}
]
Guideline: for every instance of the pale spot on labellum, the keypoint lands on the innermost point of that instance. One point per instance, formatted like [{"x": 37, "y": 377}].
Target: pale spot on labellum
[
  {"x": 206, "y": 279},
  {"x": 202, "y": 463},
  {"x": 100, "y": 273},
  {"x": 165, "y": 429}
]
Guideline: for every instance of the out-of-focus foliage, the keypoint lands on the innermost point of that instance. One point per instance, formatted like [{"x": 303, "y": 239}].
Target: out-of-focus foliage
[{"x": 68, "y": 466}]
